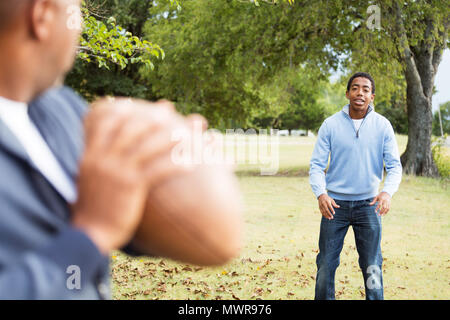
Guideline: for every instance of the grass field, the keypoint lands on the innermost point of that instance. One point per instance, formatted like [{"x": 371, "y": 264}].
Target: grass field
[{"x": 281, "y": 235}]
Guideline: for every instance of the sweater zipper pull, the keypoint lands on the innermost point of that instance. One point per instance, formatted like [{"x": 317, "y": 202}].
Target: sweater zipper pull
[{"x": 357, "y": 134}]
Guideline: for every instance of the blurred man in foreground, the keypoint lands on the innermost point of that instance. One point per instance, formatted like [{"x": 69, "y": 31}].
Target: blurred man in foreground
[{"x": 71, "y": 193}]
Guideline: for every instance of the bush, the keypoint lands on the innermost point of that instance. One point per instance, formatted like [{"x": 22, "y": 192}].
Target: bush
[{"x": 441, "y": 159}]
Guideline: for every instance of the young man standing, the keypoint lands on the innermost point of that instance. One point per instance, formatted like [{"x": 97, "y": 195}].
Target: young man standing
[{"x": 359, "y": 142}]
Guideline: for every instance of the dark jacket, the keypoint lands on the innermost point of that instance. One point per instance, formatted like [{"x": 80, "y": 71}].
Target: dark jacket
[{"x": 40, "y": 253}]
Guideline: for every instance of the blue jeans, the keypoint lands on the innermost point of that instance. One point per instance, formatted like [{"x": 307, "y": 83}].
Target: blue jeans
[{"x": 367, "y": 229}]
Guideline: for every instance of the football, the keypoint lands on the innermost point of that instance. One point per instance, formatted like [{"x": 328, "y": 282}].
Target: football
[{"x": 195, "y": 217}]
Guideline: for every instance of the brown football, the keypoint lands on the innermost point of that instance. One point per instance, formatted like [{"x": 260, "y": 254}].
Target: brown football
[{"x": 194, "y": 217}]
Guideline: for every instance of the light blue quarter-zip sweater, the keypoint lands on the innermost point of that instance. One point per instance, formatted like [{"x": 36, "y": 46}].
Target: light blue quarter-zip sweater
[{"x": 356, "y": 157}]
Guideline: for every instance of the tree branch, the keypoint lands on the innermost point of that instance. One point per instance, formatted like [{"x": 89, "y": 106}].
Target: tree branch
[
  {"x": 440, "y": 47},
  {"x": 411, "y": 72},
  {"x": 423, "y": 56}
]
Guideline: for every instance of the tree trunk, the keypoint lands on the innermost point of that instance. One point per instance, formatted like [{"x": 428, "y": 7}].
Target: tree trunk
[
  {"x": 421, "y": 65},
  {"x": 419, "y": 73},
  {"x": 417, "y": 158}
]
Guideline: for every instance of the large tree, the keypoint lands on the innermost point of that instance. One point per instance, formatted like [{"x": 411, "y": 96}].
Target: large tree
[
  {"x": 389, "y": 37},
  {"x": 231, "y": 61},
  {"x": 421, "y": 30},
  {"x": 221, "y": 55}
]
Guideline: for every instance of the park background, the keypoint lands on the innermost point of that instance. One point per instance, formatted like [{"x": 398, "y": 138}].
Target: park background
[{"x": 284, "y": 65}]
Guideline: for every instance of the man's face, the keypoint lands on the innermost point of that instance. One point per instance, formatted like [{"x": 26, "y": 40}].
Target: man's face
[{"x": 360, "y": 94}]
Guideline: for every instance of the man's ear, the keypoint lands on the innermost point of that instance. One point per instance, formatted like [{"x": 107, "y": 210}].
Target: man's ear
[
  {"x": 42, "y": 16},
  {"x": 373, "y": 97},
  {"x": 347, "y": 94}
]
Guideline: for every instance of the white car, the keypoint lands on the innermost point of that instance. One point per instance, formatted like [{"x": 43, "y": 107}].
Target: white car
[{"x": 298, "y": 133}]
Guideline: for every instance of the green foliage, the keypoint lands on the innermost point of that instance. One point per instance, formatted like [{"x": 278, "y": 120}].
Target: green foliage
[
  {"x": 441, "y": 159},
  {"x": 226, "y": 58},
  {"x": 233, "y": 61},
  {"x": 257, "y": 2},
  {"x": 445, "y": 117},
  {"x": 204, "y": 70},
  {"x": 105, "y": 42},
  {"x": 224, "y": 61},
  {"x": 301, "y": 100},
  {"x": 92, "y": 82},
  {"x": 332, "y": 97},
  {"x": 395, "y": 111},
  {"x": 304, "y": 111},
  {"x": 120, "y": 77}
]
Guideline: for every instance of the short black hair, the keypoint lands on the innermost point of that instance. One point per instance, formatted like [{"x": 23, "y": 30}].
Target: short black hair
[{"x": 361, "y": 75}]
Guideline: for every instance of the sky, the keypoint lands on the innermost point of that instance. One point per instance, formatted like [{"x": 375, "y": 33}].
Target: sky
[{"x": 442, "y": 81}]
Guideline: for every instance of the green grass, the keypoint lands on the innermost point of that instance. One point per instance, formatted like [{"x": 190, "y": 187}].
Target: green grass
[{"x": 281, "y": 235}]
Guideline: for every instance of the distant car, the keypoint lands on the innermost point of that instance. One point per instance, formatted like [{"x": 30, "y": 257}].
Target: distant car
[
  {"x": 298, "y": 133},
  {"x": 283, "y": 133}
]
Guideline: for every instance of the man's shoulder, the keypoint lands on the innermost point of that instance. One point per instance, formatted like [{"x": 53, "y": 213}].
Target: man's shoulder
[
  {"x": 60, "y": 112},
  {"x": 381, "y": 119},
  {"x": 336, "y": 117},
  {"x": 61, "y": 100}
]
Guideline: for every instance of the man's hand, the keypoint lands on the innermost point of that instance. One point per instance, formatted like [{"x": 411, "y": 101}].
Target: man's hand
[
  {"x": 326, "y": 206},
  {"x": 128, "y": 145},
  {"x": 384, "y": 203}
]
